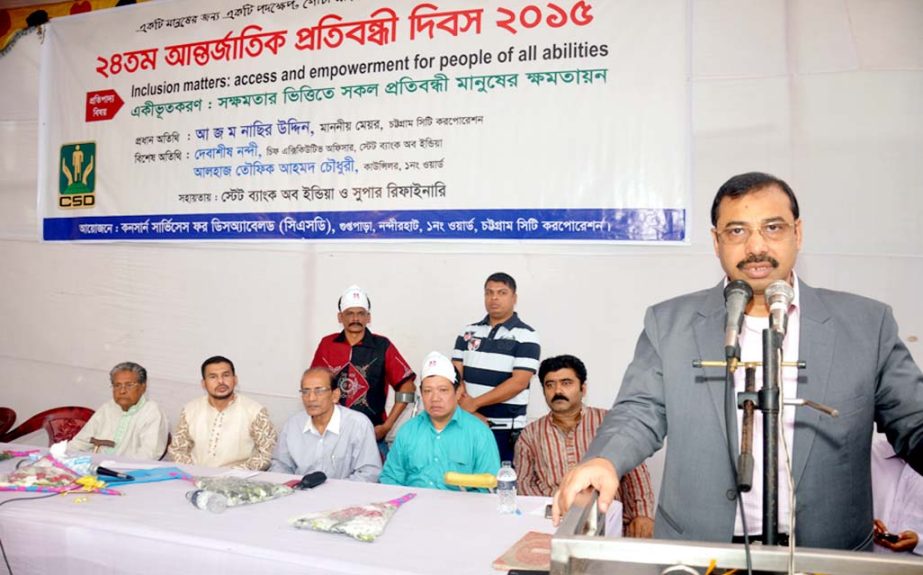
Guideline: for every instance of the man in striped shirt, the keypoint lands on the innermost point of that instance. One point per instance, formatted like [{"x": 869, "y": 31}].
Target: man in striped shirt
[
  {"x": 497, "y": 358},
  {"x": 551, "y": 445}
]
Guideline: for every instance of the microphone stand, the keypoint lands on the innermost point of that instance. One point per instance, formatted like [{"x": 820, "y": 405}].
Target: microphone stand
[
  {"x": 768, "y": 401},
  {"x": 769, "y": 404}
]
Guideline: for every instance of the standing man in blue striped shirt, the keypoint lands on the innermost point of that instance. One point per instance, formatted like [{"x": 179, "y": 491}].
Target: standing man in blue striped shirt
[{"x": 497, "y": 358}]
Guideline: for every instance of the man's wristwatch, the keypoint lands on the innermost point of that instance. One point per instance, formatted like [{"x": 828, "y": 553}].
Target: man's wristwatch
[{"x": 404, "y": 397}]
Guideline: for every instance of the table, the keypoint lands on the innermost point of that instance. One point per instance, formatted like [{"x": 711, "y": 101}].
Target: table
[{"x": 153, "y": 529}]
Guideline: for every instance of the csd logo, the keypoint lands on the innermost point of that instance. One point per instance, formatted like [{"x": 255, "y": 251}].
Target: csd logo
[
  {"x": 84, "y": 201},
  {"x": 77, "y": 176}
]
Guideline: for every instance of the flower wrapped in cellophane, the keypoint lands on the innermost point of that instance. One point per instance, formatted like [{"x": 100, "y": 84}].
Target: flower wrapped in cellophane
[
  {"x": 239, "y": 491},
  {"x": 49, "y": 475},
  {"x": 362, "y": 522}
]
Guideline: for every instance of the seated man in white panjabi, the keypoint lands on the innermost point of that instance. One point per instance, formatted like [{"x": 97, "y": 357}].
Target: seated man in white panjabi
[{"x": 130, "y": 424}]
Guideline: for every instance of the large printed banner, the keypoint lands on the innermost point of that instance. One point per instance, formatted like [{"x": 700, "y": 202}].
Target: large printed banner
[{"x": 366, "y": 119}]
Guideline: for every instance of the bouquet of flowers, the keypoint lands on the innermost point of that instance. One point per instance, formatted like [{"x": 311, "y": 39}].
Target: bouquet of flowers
[
  {"x": 238, "y": 491},
  {"x": 42, "y": 473},
  {"x": 362, "y": 522},
  {"x": 49, "y": 475}
]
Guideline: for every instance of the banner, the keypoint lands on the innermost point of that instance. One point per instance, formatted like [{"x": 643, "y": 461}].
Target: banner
[{"x": 316, "y": 119}]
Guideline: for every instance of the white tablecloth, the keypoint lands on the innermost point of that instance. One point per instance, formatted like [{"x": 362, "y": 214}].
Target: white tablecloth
[{"x": 153, "y": 529}]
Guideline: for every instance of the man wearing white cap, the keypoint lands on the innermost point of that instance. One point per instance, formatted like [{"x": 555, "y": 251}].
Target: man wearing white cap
[
  {"x": 442, "y": 438},
  {"x": 366, "y": 365}
]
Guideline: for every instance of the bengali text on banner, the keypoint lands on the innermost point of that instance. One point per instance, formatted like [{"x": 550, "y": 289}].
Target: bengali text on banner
[{"x": 367, "y": 120}]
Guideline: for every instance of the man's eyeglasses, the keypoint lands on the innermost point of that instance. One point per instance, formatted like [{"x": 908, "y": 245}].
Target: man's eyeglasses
[
  {"x": 125, "y": 385},
  {"x": 771, "y": 232},
  {"x": 315, "y": 391}
]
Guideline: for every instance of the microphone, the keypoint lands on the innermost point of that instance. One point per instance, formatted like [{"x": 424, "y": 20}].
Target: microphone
[
  {"x": 779, "y": 296},
  {"x": 99, "y": 470},
  {"x": 737, "y": 295},
  {"x": 311, "y": 480}
]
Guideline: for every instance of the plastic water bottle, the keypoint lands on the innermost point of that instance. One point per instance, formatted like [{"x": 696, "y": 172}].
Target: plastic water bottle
[
  {"x": 208, "y": 500},
  {"x": 506, "y": 488}
]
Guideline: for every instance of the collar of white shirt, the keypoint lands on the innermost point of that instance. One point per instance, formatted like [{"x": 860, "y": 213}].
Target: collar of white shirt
[{"x": 333, "y": 426}]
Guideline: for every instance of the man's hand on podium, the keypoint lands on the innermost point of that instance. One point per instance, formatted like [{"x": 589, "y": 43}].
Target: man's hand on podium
[{"x": 597, "y": 472}]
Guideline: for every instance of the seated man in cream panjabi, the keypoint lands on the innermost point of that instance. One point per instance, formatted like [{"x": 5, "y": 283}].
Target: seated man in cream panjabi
[
  {"x": 442, "y": 438},
  {"x": 130, "y": 424},
  {"x": 325, "y": 436},
  {"x": 223, "y": 428}
]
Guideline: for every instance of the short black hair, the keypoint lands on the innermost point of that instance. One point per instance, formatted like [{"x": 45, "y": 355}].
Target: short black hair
[
  {"x": 217, "y": 359},
  {"x": 332, "y": 377},
  {"x": 562, "y": 362},
  {"x": 743, "y": 184},
  {"x": 503, "y": 278}
]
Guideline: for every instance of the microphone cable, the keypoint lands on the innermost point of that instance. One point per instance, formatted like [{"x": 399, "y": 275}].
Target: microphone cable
[
  {"x": 870, "y": 538},
  {"x": 789, "y": 475},
  {"x": 6, "y": 560}
]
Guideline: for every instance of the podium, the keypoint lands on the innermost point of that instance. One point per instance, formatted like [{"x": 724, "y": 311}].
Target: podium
[{"x": 579, "y": 547}]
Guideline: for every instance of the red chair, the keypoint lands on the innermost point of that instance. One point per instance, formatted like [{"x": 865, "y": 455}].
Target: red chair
[
  {"x": 60, "y": 423},
  {"x": 7, "y": 419}
]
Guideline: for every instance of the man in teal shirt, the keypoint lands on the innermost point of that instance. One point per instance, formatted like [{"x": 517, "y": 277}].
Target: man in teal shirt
[{"x": 443, "y": 438}]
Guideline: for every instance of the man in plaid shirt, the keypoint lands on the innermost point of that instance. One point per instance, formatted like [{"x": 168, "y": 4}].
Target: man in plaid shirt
[{"x": 551, "y": 445}]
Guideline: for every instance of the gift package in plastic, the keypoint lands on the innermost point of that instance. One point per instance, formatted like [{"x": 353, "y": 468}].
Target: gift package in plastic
[
  {"x": 362, "y": 522},
  {"x": 238, "y": 491}
]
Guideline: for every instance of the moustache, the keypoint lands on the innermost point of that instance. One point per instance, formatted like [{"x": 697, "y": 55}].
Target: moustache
[
  {"x": 754, "y": 259},
  {"x": 557, "y": 397}
]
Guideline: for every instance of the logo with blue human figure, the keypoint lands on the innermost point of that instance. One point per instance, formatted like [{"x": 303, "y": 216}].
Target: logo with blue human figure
[{"x": 77, "y": 177}]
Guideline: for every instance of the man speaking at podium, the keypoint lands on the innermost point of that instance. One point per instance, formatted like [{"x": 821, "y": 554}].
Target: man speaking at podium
[{"x": 856, "y": 364}]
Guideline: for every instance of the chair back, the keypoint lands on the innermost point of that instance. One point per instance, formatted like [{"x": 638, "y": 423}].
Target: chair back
[
  {"x": 59, "y": 423},
  {"x": 167, "y": 448},
  {"x": 7, "y": 419}
]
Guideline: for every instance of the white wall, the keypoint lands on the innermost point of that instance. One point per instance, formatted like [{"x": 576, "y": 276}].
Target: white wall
[{"x": 827, "y": 94}]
